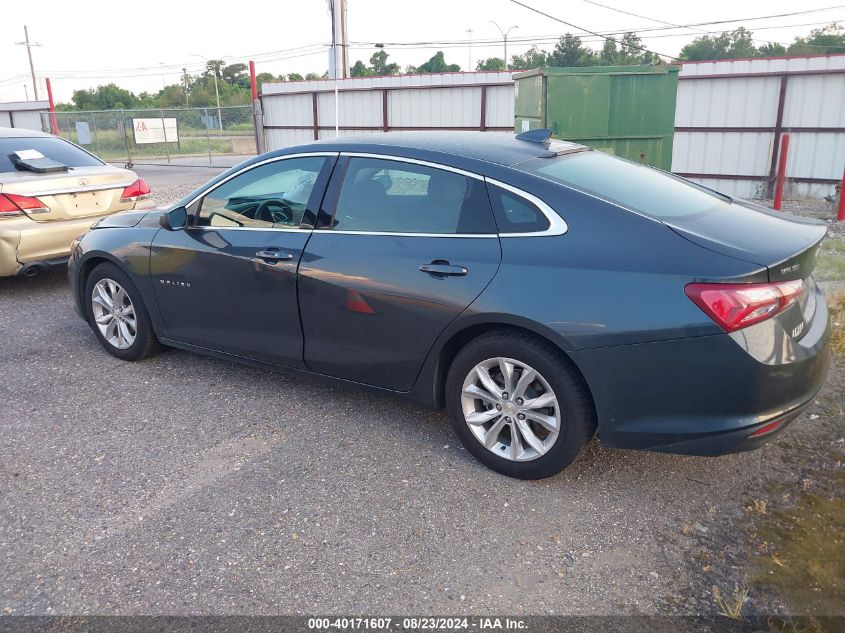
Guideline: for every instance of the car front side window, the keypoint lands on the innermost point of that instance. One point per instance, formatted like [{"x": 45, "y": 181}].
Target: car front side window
[
  {"x": 382, "y": 195},
  {"x": 273, "y": 195}
]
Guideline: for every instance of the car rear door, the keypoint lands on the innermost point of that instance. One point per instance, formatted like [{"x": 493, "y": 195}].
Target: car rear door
[
  {"x": 228, "y": 281},
  {"x": 406, "y": 247}
]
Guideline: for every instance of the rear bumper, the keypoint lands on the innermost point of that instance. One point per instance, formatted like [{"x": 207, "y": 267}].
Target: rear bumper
[
  {"x": 706, "y": 395},
  {"x": 24, "y": 241}
]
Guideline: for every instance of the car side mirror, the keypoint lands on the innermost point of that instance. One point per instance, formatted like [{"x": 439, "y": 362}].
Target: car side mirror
[{"x": 174, "y": 219}]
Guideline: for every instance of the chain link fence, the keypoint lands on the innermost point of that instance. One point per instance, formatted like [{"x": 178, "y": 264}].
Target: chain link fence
[{"x": 169, "y": 136}]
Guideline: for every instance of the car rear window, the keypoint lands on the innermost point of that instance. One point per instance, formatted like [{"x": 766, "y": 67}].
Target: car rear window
[
  {"x": 643, "y": 189},
  {"x": 55, "y": 148}
]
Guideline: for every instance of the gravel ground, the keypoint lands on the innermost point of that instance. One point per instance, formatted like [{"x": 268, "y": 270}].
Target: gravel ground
[{"x": 188, "y": 485}]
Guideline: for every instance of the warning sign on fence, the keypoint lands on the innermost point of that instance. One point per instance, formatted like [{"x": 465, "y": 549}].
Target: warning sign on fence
[{"x": 155, "y": 130}]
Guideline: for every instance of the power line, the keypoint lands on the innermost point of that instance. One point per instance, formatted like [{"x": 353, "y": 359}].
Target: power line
[
  {"x": 580, "y": 28},
  {"x": 156, "y": 70},
  {"x": 552, "y": 38},
  {"x": 29, "y": 46},
  {"x": 680, "y": 26}
]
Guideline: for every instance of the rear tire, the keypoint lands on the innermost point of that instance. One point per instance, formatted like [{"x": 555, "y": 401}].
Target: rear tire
[
  {"x": 535, "y": 430},
  {"x": 117, "y": 314}
]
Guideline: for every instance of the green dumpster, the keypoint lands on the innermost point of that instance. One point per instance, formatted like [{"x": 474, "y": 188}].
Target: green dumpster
[{"x": 624, "y": 110}]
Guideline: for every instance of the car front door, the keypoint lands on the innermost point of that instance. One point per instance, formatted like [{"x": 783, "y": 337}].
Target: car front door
[
  {"x": 228, "y": 281},
  {"x": 408, "y": 246}
]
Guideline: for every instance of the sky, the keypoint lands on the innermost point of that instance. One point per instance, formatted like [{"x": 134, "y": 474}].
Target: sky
[{"x": 142, "y": 46}]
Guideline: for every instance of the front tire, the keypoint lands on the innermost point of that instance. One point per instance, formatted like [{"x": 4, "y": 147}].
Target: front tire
[
  {"x": 117, "y": 314},
  {"x": 518, "y": 405}
]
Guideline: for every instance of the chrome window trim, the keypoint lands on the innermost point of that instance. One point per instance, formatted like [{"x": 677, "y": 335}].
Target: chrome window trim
[
  {"x": 413, "y": 161},
  {"x": 274, "y": 159},
  {"x": 395, "y": 234},
  {"x": 286, "y": 229},
  {"x": 557, "y": 225}
]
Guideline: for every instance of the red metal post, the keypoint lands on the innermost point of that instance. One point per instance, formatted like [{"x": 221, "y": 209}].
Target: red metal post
[
  {"x": 784, "y": 149},
  {"x": 385, "y": 122},
  {"x": 253, "y": 85},
  {"x": 840, "y": 213},
  {"x": 54, "y": 124},
  {"x": 252, "y": 82}
]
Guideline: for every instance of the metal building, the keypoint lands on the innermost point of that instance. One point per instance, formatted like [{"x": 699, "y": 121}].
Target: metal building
[
  {"x": 730, "y": 116},
  {"x": 302, "y": 111},
  {"x": 23, "y": 114}
]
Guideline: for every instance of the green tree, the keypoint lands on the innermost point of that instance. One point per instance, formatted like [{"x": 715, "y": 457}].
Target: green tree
[
  {"x": 171, "y": 96},
  {"x": 609, "y": 55},
  {"x": 530, "y": 59},
  {"x": 104, "y": 98},
  {"x": 295, "y": 77},
  {"x": 491, "y": 63},
  {"x": 360, "y": 70},
  {"x": 265, "y": 78},
  {"x": 570, "y": 51},
  {"x": 829, "y": 39},
  {"x": 235, "y": 74},
  {"x": 631, "y": 51},
  {"x": 312, "y": 76},
  {"x": 379, "y": 65},
  {"x": 437, "y": 64},
  {"x": 213, "y": 67},
  {"x": 727, "y": 45},
  {"x": 771, "y": 49}
]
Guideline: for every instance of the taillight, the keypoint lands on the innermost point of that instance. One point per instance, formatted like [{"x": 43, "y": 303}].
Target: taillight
[
  {"x": 138, "y": 190},
  {"x": 735, "y": 306},
  {"x": 13, "y": 204},
  {"x": 771, "y": 427}
]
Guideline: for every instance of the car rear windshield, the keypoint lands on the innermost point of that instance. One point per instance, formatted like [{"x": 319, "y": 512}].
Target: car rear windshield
[
  {"x": 640, "y": 188},
  {"x": 55, "y": 148}
]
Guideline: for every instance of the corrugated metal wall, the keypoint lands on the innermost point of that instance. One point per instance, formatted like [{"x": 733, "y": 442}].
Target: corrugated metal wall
[
  {"x": 731, "y": 114},
  {"x": 298, "y": 112},
  {"x": 23, "y": 114}
]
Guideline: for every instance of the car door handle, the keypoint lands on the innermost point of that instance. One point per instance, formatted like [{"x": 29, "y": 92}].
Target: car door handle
[
  {"x": 443, "y": 269},
  {"x": 277, "y": 255}
]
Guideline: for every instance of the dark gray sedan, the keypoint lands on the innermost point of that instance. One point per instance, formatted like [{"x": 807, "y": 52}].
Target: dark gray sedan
[{"x": 538, "y": 290}]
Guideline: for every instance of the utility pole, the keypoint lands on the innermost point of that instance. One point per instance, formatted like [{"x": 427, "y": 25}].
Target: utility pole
[
  {"x": 339, "y": 62},
  {"x": 215, "y": 67},
  {"x": 185, "y": 84},
  {"x": 26, "y": 92},
  {"x": 469, "y": 62},
  {"x": 29, "y": 46},
  {"x": 505, "y": 38}
]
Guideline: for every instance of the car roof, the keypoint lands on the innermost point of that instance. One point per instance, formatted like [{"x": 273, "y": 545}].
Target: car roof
[
  {"x": 492, "y": 147},
  {"x": 18, "y": 132}
]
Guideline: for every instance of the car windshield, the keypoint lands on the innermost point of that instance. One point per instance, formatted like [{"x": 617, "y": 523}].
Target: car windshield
[
  {"x": 640, "y": 188},
  {"x": 55, "y": 148}
]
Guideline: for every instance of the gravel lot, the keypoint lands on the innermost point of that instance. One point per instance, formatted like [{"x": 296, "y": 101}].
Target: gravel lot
[{"x": 184, "y": 484}]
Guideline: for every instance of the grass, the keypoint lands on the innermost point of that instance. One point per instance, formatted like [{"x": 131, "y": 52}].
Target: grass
[
  {"x": 808, "y": 566},
  {"x": 834, "y": 244},
  {"x": 836, "y": 306},
  {"x": 804, "y": 545},
  {"x": 731, "y": 607},
  {"x": 107, "y": 144},
  {"x": 830, "y": 265}
]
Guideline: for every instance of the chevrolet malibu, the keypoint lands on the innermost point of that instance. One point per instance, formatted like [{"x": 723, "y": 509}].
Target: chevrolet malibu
[
  {"x": 538, "y": 290},
  {"x": 51, "y": 191}
]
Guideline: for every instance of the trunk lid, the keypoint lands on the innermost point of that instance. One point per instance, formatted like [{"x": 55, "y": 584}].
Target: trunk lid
[
  {"x": 786, "y": 245},
  {"x": 80, "y": 192}
]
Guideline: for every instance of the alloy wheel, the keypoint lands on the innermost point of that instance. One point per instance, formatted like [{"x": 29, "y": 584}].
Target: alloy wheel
[
  {"x": 114, "y": 314},
  {"x": 510, "y": 409}
]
